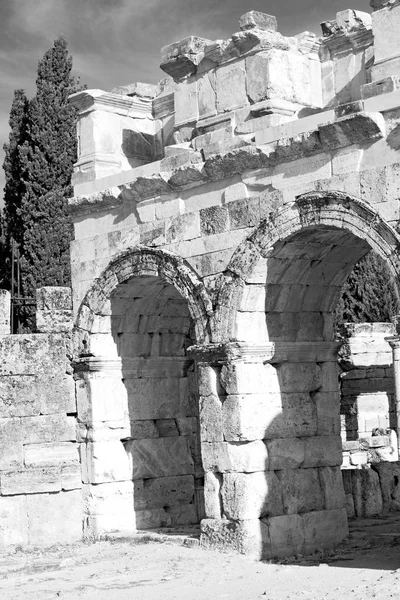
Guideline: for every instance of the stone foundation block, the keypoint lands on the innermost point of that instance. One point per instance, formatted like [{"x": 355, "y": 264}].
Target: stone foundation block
[
  {"x": 160, "y": 457},
  {"x": 286, "y": 534},
  {"x": 324, "y": 529},
  {"x": 55, "y": 518},
  {"x": 301, "y": 490},
  {"x": 108, "y": 507},
  {"x": 30, "y": 481},
  {"x": 46, "y": 455},
  {"x": 166, "y": 517},
  {"x": 245, "y": 537},
  {"x": 224, "y": 457},
  {"x": 163, "y": 492},
  {"x": 212, "y": 498},
  {"x": 251, "y": 495},
  {"x": 105, "y": 462},
  {"x": 13, "y": 521}
]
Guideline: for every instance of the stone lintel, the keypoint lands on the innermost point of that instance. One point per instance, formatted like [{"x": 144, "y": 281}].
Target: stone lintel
[
  {"x": 127, "y": 106},
  {"x": 305, "y": 352},
  {"x": 232, "y": 351}
]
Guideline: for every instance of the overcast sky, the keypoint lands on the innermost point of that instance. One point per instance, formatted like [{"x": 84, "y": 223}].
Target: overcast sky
[{"x": 118, "y": 41}]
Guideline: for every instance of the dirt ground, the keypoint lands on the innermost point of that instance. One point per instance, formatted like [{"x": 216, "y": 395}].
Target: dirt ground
[{"x": 169, "y": 567}]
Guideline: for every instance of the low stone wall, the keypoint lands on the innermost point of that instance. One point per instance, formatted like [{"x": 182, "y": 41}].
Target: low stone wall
[
  {"x": 370, "y": 470},
  {"x": 40, "y": 474}
]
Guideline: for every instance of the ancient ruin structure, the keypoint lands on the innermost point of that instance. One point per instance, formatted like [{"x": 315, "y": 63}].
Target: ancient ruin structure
[{"x": 217, "y": 216}]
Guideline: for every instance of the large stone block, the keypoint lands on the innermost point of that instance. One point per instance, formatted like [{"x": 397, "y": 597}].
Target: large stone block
[
  {"x": 13, "y": 521},
  {"x": 33, "y": 354},
  {"x": 249, "y": 378},
  {"x": 367, "y": 493},
  {"x": 48, "y": 428},
  {"x": 105, "y": 462},
  {"x": 47, "y": 455},
  {"x": 324, "y": 529},
  {"x": 24, "y": 396},
  {"x": 160, "y": 398},
  {"x": 299, "y": 377},
  {"x": 301, "y": 490},
  {"x": 55, "y": 518},
  {"x": 251, "y": 495},
  {"x": 107, "y": 508},
  {"x": 101, "y": 399},
  {"x": 246, "y": 537},
  {"x": 11, "y": 438},
  {"x": 286, "y": 534},
  {"x": 212, "y": 496},
  {"x": 163, "y": 492},
  {"x": 166, "y": 517},
  {"x": 30, "y": 481},
  {"x": 71, "y": 477},
  {"x": 225, "y": 457},
  {"x": 286, "y": 453},
  {"x": 231, "y": 87},
  {"x": 159, "y": 457},
  {"x": 211, "y": 419},
  {"x": 322, "y": 451}
]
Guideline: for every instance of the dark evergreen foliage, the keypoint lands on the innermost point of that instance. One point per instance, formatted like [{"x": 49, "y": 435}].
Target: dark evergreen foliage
[
  {"x": 39, "y": 161},
  {"x": 369, "y": 294}
]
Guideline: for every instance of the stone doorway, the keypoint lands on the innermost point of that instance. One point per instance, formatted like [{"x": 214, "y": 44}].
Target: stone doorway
[{"x": 137, "y": 396}]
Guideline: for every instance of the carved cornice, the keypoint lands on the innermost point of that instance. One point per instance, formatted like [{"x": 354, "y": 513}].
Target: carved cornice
[
  {"x": 232, "y": 351},
  {"x": 90, "y": 100}
]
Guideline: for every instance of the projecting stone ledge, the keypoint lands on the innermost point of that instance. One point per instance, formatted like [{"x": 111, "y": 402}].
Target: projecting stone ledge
[{"x": 180, "y": 59}]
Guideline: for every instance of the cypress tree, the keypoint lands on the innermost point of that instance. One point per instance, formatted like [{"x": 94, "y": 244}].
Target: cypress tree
[{"x": 46, "y": 154}]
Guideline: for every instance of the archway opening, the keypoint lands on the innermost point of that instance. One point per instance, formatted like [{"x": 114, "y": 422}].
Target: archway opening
[{"x": 152, "y": 328}]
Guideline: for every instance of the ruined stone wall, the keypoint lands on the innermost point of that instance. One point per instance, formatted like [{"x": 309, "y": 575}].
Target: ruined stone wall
[
  {"x": 40, "y": 474},
  {"x": 278, "y": 170}
]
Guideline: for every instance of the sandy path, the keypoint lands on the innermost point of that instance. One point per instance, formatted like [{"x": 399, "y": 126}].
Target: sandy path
[{"x": 367, "y": 566}]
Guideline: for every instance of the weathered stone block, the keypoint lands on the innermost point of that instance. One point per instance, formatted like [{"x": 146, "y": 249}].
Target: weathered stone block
[
  {"x": 55, "y": 518},
  {"x": 105, "y": 462},
  {"x": 246, "y": 537},
  {"x": 171, "y": 517},
  {"x": 159, "y": 398},
  {"x": 322, "y": 451},
  {"x": 24, "y": 396},
  {"x": 287, "y": 453},
  {"x": 11, "y": 438},
  {"x": 47, "y": 455},
  {"x": 30, "y": 481},
  {"x": 108, "y": 507},
  {"x": 259, "y": 20},
  {"x": 160, "y": 457},
  {"x": 324, "y": 529},
  {"x": 249, "y": 378},
  {"x": 211, "y": 419},
  {"x": 225, "y": 457},
  {"x": 163, "y": 492},
  {"x": 231, "y": 87},
  {"x": 301, "y": 490},
  {"x": 71, "y": 477},
  {"x": 13, "y": 522},
  {"x": 286, "y": 534},
  {"x": 389, "y": 480},
  {"x": 250, "y": 496},
  {"x": 367, "y": 493},
  {"x": 332, "y": 487},
  {"x": 48, "y": 428},
  {"x": 32, "y": 354},
  {"x": 212, "y": 497}
]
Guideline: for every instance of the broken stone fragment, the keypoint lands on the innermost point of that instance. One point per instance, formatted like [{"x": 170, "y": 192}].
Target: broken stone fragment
[
  {"x": 259, "y": 20},
  {"x": 143, "y": 90},
  {"x": 357, "y": 128},
  {"x": 181, "y": 59}
]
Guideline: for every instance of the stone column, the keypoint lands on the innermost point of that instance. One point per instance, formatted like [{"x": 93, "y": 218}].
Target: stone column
[
  {"x": 269, "y": 427},
  {"x": 395, "y": 345}
]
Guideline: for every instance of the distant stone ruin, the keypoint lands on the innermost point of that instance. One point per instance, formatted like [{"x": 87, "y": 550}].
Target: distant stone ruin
[{"x": 217, "y": 216}]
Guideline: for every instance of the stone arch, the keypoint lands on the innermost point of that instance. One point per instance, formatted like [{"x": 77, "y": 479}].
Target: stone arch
[
  {"x": 137, "y": 393},
  {"x": 336, "y": 215},
  {"x": 278, "y": 377},
  {"x": 142, "y": 261}
]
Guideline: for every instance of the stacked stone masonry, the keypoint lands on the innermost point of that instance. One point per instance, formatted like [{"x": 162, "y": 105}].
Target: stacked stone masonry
[{"x": 217, "y": 216}]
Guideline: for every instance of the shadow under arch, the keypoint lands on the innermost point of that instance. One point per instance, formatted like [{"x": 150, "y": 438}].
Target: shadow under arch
[
  {"x": 281, "y": 409},
  {"x": 137, "y": 393}
]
